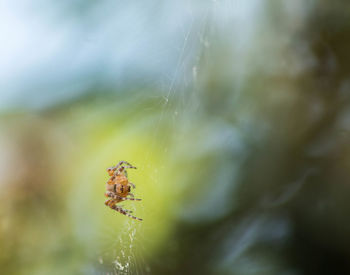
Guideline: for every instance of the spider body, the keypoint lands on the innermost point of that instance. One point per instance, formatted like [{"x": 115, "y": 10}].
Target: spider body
[
  {"x": 118, "y": 188},
  {"x": 119, "y": 185}
]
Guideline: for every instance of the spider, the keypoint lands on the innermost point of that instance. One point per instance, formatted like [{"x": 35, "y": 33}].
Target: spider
[{"x": 118, "y": 188}]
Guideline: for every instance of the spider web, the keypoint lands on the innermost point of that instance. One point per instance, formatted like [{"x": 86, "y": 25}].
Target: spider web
[
  {"x": 126, "y": 258},
  {"x": 128, "y": 246},
  {"x": 160, "y": 46},
  {"x": 177, "y": 101}
]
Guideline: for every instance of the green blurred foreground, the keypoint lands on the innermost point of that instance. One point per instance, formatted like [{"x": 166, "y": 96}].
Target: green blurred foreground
[
  {"x": 53, "y": 212},
  {"x": 243, "y": 163}
]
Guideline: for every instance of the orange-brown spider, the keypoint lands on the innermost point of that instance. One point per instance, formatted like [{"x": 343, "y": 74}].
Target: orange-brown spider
[{"x": 118, "y": 188}]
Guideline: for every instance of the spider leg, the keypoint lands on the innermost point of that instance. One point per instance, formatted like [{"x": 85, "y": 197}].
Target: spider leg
[
  {"x": 116, "y": 197},
  {"x": 110, "y": 202},
  {"x": 127, "y": 211},
  {"x": 128, "y": 199},
  {"x": 124, "y": 212},
  {"x": 107, "y": 202},
  {"x": 122, "y": 169},
  {"x": 110, "y": 194},
  {"x": 131, "y": 195},
  {"x": 132, "y": 185},
  {"x": 128, "y": 165},
  {"x": 111, "y": 170},
  {"x": 124, "y": 162}
]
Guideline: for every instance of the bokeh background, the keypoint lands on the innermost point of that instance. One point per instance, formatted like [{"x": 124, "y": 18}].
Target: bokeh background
[{"x": 236, "y": 113}]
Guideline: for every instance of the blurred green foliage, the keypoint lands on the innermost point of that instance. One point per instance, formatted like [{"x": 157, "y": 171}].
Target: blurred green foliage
[{"x": 239, "y": 128}]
